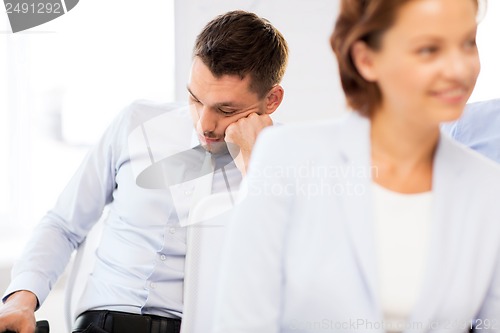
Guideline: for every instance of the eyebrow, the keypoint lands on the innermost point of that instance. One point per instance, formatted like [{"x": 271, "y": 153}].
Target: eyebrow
[
  {"x": 230, "y": 105},
  {"x": 438, "y": 39}
]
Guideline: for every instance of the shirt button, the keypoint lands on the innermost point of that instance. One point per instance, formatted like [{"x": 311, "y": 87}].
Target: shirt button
[
  {"x": 188, "y": 193},
  {"x": 152, "y": 285},
  {"x": 171, "y": 230},
  {"x": 163, "y": 257}
]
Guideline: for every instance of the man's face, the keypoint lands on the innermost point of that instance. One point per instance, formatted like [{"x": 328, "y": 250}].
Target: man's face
[{"x": 215, "y": 103}]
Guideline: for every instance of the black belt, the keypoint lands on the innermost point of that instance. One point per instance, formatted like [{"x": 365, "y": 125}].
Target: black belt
[{"x": 122, "y": 322}]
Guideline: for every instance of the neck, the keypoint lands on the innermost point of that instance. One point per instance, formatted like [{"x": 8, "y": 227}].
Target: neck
[{"x": 402, "y": 151}]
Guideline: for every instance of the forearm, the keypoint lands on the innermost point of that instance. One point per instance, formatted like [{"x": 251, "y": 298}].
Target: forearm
[{"x": 43, "y": 259}]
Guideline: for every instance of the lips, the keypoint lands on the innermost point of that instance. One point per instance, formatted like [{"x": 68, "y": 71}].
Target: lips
[
  {"x": 209, "y": 140},
  {"x": 451, "y": 95}
]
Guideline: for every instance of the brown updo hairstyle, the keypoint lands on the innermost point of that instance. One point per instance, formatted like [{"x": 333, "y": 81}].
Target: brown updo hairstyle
[{"x": 362, "y": 20}]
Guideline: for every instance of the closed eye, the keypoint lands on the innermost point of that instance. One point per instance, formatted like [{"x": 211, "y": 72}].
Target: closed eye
[
  {"x": 194, "y": 100},
  {"x": 227, "y": 112}
]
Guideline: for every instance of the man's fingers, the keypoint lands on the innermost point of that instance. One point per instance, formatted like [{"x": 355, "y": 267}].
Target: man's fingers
[
  {"x": 249, "y": 126},
  {"x": 19, "y": 325},
  {"x": 18, "y": 313},
  {"x": 243, "y": 134},
  {"x": 262, "y": 119}
]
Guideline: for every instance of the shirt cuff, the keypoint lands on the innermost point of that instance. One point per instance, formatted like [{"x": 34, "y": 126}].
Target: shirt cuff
[{"x": 29, "y": 281}]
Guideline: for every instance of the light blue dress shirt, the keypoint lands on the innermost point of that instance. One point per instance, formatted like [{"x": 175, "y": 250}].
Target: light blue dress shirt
[
  {"x": 140, "y": 260},
  {"x": 479, "y": 128}
]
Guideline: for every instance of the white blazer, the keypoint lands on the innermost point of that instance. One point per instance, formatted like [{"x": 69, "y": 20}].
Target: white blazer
[{"x": 300, "y": 250}]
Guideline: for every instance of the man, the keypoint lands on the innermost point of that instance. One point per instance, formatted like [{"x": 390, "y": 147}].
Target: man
[
  {"x": 137, "y": 282},
  {"x": 479, "y": 128}
]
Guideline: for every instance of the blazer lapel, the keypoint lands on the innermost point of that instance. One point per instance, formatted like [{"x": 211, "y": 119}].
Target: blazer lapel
[
  {"x": 446, "y": 234},
  {"x": 358, "y": 210}
]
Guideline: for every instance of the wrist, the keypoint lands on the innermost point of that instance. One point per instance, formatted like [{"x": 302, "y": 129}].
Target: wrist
[
  {"x": 243, "y": 162},
  {"x": 24, "y": 298}
]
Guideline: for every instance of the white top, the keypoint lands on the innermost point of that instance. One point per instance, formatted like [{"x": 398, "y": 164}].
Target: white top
[{"x": 402, "y": 223}]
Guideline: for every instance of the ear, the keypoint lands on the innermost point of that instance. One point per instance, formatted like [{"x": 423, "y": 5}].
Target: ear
[
  {"x": 364, "y": 60},
  {"x": 274, "y": 98}
]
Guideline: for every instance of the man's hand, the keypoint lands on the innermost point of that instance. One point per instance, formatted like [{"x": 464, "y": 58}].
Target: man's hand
[
  {"x": 18, "y": 312},
  {"x": 243, "y": 133}
]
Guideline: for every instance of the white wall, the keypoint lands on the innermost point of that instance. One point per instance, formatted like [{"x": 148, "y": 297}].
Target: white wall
[
  {"x": 488, "y": 83},
  {"x": 63, "y": 82},
  {"x": 312, "y": 89}
]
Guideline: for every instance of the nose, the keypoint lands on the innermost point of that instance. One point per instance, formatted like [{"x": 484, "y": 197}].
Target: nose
[
  {"x": 461, "y": 66},
  {"x": 207, "y": 119}
]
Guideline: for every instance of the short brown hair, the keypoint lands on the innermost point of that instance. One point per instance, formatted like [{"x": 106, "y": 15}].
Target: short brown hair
[
  {"x": 361, "y": 20},
  {"x": 241, "y": 43}
]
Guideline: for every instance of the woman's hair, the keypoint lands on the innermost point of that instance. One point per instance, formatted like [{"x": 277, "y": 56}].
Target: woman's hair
[{"x": 362, "y": 20}]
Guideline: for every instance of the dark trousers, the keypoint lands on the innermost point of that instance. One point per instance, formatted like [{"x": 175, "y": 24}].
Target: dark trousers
[{"x": 121, "y": 322}]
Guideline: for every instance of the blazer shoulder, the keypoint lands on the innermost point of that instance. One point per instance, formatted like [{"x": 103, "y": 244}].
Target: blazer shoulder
[
  {"x": 477, "y": 168},
  {"x": 310, "y": 133},
  {"x": 334, "y": 140}
]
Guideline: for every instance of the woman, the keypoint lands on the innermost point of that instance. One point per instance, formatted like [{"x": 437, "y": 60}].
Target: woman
[{"x": 374, "y": 222}]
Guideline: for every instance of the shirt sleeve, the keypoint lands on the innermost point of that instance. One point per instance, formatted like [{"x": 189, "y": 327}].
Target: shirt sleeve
[
  {"x": 77, "y": 209},
  {"x": 251, "y": 279},
  {"x": 477, "y": 128}
]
